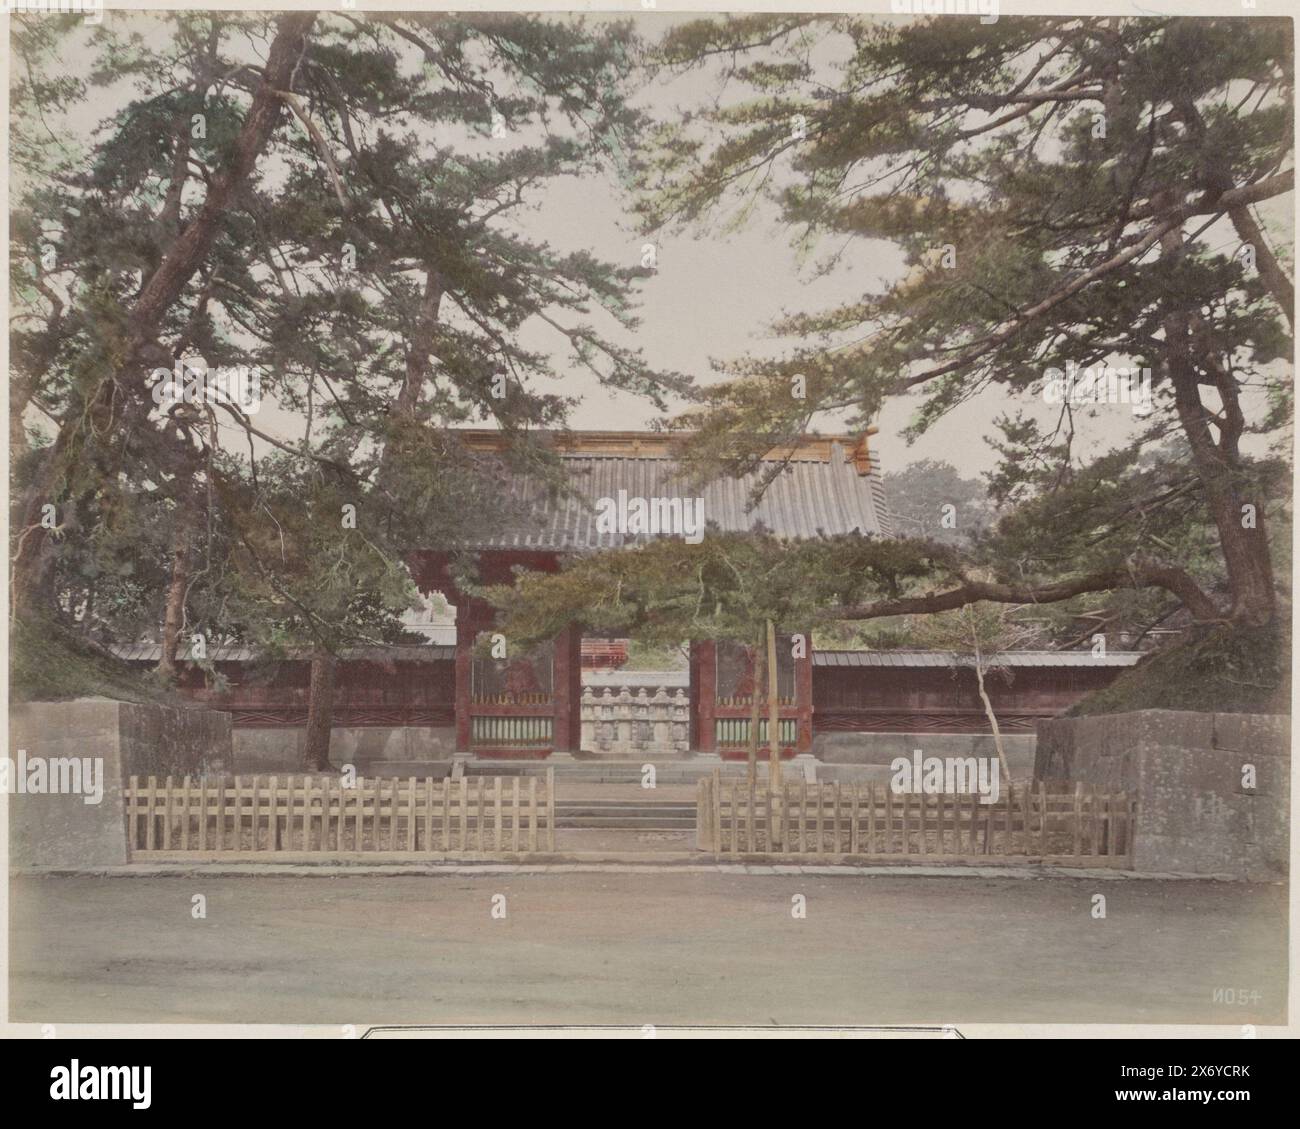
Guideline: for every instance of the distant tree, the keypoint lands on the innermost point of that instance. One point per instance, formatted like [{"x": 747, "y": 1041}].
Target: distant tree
[{"x": 930, "y": 499}]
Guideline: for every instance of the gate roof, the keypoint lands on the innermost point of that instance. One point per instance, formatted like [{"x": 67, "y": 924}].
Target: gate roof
[{"x": 828, "y": 485}]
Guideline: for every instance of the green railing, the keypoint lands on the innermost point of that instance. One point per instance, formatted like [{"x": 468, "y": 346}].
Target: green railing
[
  {"x": 733, "y": 732},
  {"x": 511, "y": 732}
]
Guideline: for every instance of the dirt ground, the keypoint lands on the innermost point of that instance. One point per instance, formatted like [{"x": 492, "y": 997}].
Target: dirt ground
[{"x": 644, "y": 948}]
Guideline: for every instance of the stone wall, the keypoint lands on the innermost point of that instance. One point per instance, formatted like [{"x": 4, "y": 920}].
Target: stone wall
[
  {"x": 1191, "y": 775},
  {"x": 280, "y": 748},
  {"x": 872, "y": 752},
  {"x": 122, "y": 739}
]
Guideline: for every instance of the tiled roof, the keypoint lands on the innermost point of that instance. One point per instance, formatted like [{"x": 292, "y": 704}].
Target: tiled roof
[
  {"x": 397, "y": 652},
  {"x": 943, "y": 658},
  {"x": 824, "y": 489}
]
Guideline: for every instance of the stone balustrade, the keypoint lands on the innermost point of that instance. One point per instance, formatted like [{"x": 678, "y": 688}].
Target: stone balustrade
[{"x": 635, "y": 723}]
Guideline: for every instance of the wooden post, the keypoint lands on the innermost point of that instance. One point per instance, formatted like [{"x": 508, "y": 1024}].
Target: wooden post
[
  {"x": 769, "y": 818},
  {"x": 306, "y": 813},
  {"x": 203, "y": 813},
  {"x": 889, "y": 818},
  {"x": 706, "y": 831},
  {"x": 273, "y": 821},
  {"x": 394, "y": 807},
  {"x": 428, "y": 815},
  {"x": 358, "y": 813},
  {"x": 326, "y": 810},
  {"x": 704, "y": 684},
  {"x": 255, "y": 804},
  {"x": 284, "y": 839},
  {"x": 716, "y": 799},
  {"x": 410, "y": 813},
  {"x": 466, "y": 634},
  {"x": 151, "y": 802},
  {"x": 1078, "y": 819},
  {"x": 359, "y": 810},
  {"x": 532, "y": 813},
  {"x": 1042, "y": 818},
  {"x": 774, "y": 710},
  {"x": 566, "y": 732},
  {"x": 185, "y": 816},
  {"x": 750, "y": 843},
  {"x": 446, "y": 814},
  {"x": 734, "y": 821},
  {"x": 169, "y": 807},
  {"x": 467, "y": 832},
  {"x": 853, "y": 820},
  {"x": 132, "y": 814},
  {"x": 803, "y": 698},
  {"x": 220, "y": 830},
  {"x": 550, "y": 808},
  {"x": 480, "y": 814},
  {"x": 496, "y": 809},
  {"x": 514, "y": 819}
]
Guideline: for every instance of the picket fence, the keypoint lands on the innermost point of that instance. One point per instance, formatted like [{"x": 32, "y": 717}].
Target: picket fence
[
  {"x": 318, "y": 814},
  {"x": 1082, "y": 826}
]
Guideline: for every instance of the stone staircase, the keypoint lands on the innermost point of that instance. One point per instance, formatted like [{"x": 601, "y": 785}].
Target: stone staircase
[
  {"x": 593, "y": 771},
  {"x": 625, "y": 815},
  {"x": 596, "y": 794}
]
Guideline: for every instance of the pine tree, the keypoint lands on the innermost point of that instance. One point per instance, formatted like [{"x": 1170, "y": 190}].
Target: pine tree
[{"x": 1067, "y": 192}]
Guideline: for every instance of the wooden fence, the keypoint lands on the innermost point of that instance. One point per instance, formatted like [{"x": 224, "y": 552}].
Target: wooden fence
[
  {"x": 317, "y": 814},
  {"x": 1082, "y": 827}
]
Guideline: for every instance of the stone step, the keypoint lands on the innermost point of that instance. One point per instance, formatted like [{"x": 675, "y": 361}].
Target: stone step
[
  {"x": 596, "y": 807},
  {"x": 626, "y": 815},
  {"x": 578, "y": 771},
  {"x": 623, "y": 825}
]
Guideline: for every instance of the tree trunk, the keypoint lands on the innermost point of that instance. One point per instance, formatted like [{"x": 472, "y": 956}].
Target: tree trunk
[
  {"x": 755, "y": 712},
  {"x": 320, "y": 711},
  {"x": 420, "y": 349},
  {"x": 174, "y": 613},
  {"x": 1003, "y": 767},
  {"x": 1245, "y": 549},
  {"x": 1218, "y": 465},
  {"x": 419, "y": 356}
]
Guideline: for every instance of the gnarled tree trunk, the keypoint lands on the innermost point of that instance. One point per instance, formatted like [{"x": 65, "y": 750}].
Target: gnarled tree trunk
[
  {"x": 174, "y": 612},
  {"x": 320, "y": 711}
]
